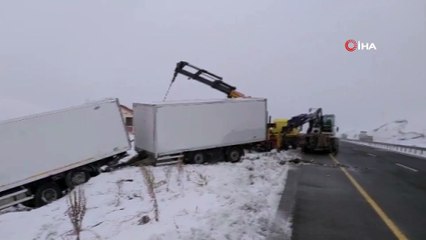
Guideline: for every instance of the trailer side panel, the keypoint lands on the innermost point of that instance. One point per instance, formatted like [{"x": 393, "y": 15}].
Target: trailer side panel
[
  {"x": 190, "y": 126},
  {"x": 38, "y": 146}
]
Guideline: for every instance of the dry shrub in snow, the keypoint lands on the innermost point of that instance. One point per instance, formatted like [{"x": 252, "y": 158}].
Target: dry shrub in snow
[
  {"x": 119, "y": 192},
  {"x": 251, "y": 178},
  {"x": 150, "y": 184},
  {"x": 168, "y": 173},
  {"x": 77, "y": 210},
  {"x": 180, "y": 170},
  {"x": 199, "y": 179},
  {"x": 202, "y": 180}
]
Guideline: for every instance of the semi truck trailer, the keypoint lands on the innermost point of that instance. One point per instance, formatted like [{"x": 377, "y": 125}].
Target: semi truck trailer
[
  {"x": 199, "y": 131},
  {"x": 45, "y": 154}
]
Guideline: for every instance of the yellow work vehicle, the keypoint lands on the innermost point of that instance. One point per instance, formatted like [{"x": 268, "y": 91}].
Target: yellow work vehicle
[
  {"x": 287, "y": 141},
  {"x": 320, "y": 135}
]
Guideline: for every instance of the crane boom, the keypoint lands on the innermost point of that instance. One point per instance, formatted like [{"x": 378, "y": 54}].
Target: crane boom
[
  {"x": 314, "y": 119},
  {"x": 207, "y": 78}
]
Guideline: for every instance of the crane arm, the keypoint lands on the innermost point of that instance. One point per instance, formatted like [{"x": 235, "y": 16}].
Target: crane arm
[
  {"x": 207, "y": 78},
  {"x": 314, "y": 119}
]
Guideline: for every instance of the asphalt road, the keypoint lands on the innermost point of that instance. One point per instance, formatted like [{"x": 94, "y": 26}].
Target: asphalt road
[{"x": 329, "y": 206}]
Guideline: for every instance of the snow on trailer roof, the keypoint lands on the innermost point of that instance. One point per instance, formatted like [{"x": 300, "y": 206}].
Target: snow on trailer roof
[
  {"x": 199, "y": 101},
  {"x": 35, "y": 115}
]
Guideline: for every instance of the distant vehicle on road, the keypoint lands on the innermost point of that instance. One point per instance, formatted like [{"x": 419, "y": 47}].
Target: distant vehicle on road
[{"x": 363, "y": 136}]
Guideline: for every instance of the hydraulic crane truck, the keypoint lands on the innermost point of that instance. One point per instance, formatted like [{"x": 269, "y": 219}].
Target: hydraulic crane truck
[
  {"x": 283, "y": 133},
  {"x": 321, "y": 133},
  {"x": 216, "y": 82}
]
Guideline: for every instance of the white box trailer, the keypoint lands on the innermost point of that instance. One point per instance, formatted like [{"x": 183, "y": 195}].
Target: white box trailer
[
  {"x": 199, "y": 131},
  {"x": 43, "y": 154}
]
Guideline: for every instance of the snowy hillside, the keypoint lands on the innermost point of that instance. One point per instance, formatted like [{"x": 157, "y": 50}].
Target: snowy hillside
[
  {"x": 396, "y": 132},
  {"x": 217, "y": 201}
]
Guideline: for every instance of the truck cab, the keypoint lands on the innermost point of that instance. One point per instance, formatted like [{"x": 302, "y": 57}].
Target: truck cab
[
  {"x": 329, "y": 124},
  {"x": 324, "y": 139}
]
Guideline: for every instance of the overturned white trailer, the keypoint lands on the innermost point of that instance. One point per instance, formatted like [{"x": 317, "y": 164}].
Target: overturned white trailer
[
  {"x": 199, "y": 131},
  {"x": 44, "y": 154}
]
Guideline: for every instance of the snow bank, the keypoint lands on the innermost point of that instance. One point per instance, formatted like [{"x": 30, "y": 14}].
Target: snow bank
[{"x": 220, "y": 201}]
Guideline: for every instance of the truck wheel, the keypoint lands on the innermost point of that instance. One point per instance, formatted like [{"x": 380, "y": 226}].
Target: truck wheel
[
  {"x": 305, "y": 150},
  {"x": 285, "y": 146},
  {"x": 335, "y": 150},
  {"x": 198, "y": 158},
  {"x": 29, "y": 203},
  {"x": 233, "y": 155},
  {"x": 336, "y": 147},
  {"x": 76, "y": 177},
  {"x": 47, "y": 193}
]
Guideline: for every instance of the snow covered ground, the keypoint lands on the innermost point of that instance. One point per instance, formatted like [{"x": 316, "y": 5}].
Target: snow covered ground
[{"x": 216, "y": 201}]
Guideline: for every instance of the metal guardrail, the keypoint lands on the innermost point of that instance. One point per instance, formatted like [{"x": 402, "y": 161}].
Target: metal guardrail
[{"x": 409, "y": 150}]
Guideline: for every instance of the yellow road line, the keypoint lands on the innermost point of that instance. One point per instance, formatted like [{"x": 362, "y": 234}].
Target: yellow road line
[{"x": 391, "y": 225}]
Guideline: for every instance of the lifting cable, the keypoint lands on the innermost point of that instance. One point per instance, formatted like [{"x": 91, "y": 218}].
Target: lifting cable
[{"x": 168, "y": 90}]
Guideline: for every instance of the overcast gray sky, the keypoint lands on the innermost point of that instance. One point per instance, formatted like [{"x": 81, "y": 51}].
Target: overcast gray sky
[{"x": 56, "y": 54}]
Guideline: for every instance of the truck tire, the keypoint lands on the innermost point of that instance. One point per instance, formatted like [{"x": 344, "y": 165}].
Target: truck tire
[
  {"x": 46, "y": 193},
  {"x": 233, "y": 155},
  {"x": 198, "y": 158},
  {"x": 76, "y": 177},
  {"x": 335, "y": 149},
  {"x": 29, "y": 203},
  {"x": 285, "y": 145},
  {"x": 305, "y": 149}
]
